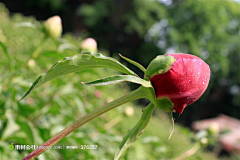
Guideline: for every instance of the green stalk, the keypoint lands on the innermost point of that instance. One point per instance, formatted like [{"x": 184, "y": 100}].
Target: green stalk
[
  {"x": 172, "y": 130},
  {"x": 39, "y": 48},
  {"x": 139, "y": 93}
]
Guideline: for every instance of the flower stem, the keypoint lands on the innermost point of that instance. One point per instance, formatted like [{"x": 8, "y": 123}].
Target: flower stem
[
  {"x": 139, "y": 93},
  {"x": 189, "y": 152},
  {"x": 39, "y": 48}
]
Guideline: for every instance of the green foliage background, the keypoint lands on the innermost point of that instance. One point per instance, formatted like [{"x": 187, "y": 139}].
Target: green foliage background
[
  {"x": 60, "y": 102},
  {"x": 142, "y": 30}
]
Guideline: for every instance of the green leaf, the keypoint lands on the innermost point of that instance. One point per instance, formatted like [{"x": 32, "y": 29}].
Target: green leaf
[
  {"x": 135, "y": 132},
  {"x": 26, "y": 25},
  {"x": 134, "y": 63},
  {"x": 65, "y": 46},
  {"x": 5, "y": 51},
  {"x": 11, "y": 128},
  {"x": 79, "y": 63},
  {"x": 54, "y": 54},
  {"x": 118, "y": 79}
]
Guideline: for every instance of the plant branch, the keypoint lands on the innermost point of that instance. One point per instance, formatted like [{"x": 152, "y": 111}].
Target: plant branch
[
  {"x": 134, "y": 95},
  {"x": 39, "y": 48}
]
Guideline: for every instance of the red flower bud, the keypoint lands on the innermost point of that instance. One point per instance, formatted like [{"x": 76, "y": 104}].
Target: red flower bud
[{"x": 183, "y": 83}]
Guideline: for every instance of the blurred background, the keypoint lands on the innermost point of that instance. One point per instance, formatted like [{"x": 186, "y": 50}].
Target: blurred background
[{"x": 139, "y": 30}]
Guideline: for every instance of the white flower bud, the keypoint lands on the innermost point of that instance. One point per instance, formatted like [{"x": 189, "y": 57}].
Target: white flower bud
[
  {"x": 53, "y": 26},
  {"x": 129, "y": 111},
  {"x": 90, "y": 45}
]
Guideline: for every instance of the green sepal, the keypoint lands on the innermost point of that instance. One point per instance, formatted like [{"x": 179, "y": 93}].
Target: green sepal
[
  {"x": 134, "y": 63},
  {"x": 161, "y": 64},
  {"x": 77, "y": 63},
  {"x": 118, "y": 79},
  {"x": 134, "y": 133},
  {"x": 164, "y": 104}
]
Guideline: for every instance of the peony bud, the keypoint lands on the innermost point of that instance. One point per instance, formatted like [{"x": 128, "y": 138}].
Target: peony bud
[
  {"x": 31, "y": 63},
  {"x": 90, "y": 45},
  {"x": 129, "y": 111},
  {"x": 53, "y": 26},
  {"x": 178, "y": 80},
  {"x": 204, "y": 141},
  {"x": 213, "y": 129},
  {"x": 98, "y": 94}
]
